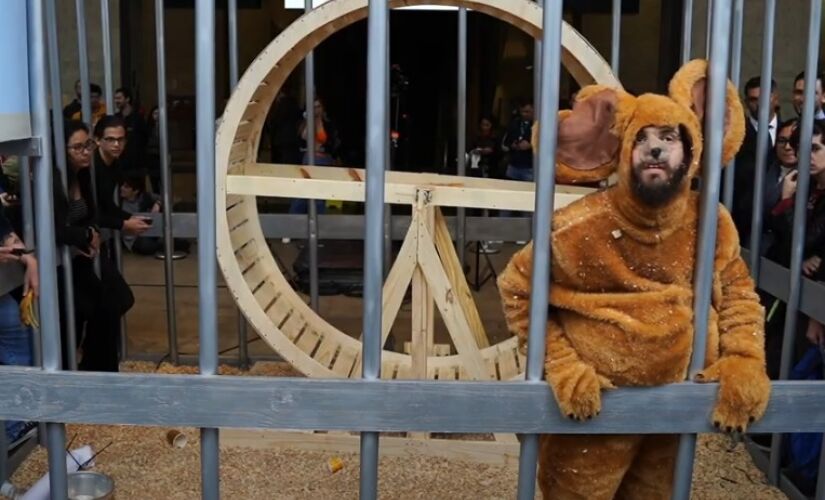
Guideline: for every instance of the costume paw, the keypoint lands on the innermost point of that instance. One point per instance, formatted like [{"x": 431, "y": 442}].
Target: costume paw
[
  {"x": 578, "y": 388},
  {"x": 744, "y": 390}
]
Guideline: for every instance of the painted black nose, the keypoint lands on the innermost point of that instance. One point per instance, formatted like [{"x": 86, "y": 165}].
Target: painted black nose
[{"x": 655, "y": 153}]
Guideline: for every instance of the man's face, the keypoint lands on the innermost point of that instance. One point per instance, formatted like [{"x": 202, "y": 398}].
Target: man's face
[
  {"x": 94, "y": 98},
  {"x": 658, "y": 164},
  {"x": 127, "y": 192},
  {"x": 112, "y": 142},
  {"x": 526, "y": 112},
  {"x": 120, "y": 101},
  {"x": 817, "y": 156},
  {"x": 752, "y": 101},
  {"x": 799, "y": 95},
  {"x": 784, "y": 150}
]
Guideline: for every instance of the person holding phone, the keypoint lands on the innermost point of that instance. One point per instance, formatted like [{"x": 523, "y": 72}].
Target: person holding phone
[{"x": 18, "y": 268}]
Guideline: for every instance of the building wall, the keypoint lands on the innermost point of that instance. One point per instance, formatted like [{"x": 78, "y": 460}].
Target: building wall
[{"x": 67, "y": 38}]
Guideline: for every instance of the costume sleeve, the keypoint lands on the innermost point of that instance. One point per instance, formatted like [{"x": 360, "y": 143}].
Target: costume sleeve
[
  {"x": 514, "y": 287},
  {"x": 741, "y": 316}
]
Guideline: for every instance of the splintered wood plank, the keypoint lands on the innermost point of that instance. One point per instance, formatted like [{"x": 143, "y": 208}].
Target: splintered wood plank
[
  {"x": 326, "y": 351},
  {"x": 455, "y": 274},
  {"x": 507, "y": 364},
  {"x": 451, "y": 311},
  {"x": 422, "y": 301},
  {"x": 308, "y": 340},
  {"x": 344, "y": 362},
  {"x": 293, "y": 325}
]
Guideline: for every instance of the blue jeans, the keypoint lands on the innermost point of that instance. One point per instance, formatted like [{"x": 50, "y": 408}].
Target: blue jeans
[{"x": 15, "y": 346}]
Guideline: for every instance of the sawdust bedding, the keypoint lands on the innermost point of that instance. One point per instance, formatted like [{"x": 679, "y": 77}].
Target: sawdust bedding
[{"x": 145, "y": 466}]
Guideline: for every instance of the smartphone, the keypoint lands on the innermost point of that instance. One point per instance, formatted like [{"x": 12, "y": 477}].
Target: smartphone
[
  {"x": 148, "y": 220},
  {"x": 21, "y": 251}
]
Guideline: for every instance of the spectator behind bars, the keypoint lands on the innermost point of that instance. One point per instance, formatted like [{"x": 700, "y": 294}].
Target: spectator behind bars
[
  {"x": 15, "y": 337},
  {"x": 517, "y": 143},
  {"x": 135, "y": 200},
  {"x": 799, "y": 96},
  {"x": 74, "y": 107},
  {"x": 781, "y": 223},
  {"x": 96, "y": 100},
  {"x": 99, "y": 300},
  {"x": 134, "y": 152},
  {"x": 153, "y": 149},
  {"x": 746, "y": 158},
  {"x": 110, "y": 136},
  {"x": 484, "y": 151},
  {"x": 327, "y": 143}
]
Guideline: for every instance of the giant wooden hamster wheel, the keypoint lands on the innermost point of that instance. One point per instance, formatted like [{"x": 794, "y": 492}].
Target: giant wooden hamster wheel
[{"x": 427, "y": 258}]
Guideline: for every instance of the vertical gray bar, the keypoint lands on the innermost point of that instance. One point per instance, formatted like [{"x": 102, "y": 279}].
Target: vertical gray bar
[
  {"x": 107, "y": 57},
  {"x": 708, "y": 27},
  {"x": 769, "y": 18},
  {"x": 46, "y": 251},
  {"x": 461, "y": 136},
  {"x": 735, "y": 73},
  {"x": 312, "y": 209},
  {"x": 27, "y": 197},
  {"x": 83, "y": 59},
  {"x": 166, "y": 184},
  {"x": 820, "y": 483},
  {"x": 232, "y": 19},
  {"x": 687, "y": 26},
  {"x": 377, "y": 130},
  {"x": 60, "y": 161},
  {"x": 207, "y": 269},
  {"x": 110, "y": 109},
  {"x": 616, "y": 33},
  {"x": 537, "y": 75},
  {"x": 799, "y": 217},
  {"x": 388, "y": 167},
  {"x": 545, "y": 187},
  {"x": 708, "y": 213}
]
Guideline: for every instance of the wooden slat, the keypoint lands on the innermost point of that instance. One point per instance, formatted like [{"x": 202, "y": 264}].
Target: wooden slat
[
  {"x": 239, "y": 151},
  {"x": 507, "y": 364},
  {"x": 308, "y": 341},
  {"x": 451, "y": 312},
  {"x": 422, "y": 300},
  {"x": 455, "y": 275},
  {"x": 344, "y": 362},
  {"x": 326, "y": 351},
  {"x": 294, "y": 325}
]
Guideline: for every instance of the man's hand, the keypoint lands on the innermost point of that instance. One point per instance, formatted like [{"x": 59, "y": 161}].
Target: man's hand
[
  {"x": 811, "y": 265},
  {"x": 816, "y": 333},
  {"x": 789, "y": 185},
  {"x": 31, "y": 281},
  {"x": 524, "y": 145},
  {"x": 135, "y": 226},
  {"x": 155, "y": 208},
  {"x": 6, "y": 255}
]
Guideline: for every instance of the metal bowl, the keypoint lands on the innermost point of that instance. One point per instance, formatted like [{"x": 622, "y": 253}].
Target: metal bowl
[{"x": 90, "y": 486}]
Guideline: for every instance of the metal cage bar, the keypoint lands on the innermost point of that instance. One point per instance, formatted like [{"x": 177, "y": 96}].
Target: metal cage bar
[
  {"x": 44, "y": 227},
  {"x": 312, "y": 205},
  {"x": 687, "y": 26},
  {"x": 762, "y": 132},
  {"x": 735, "y": 75},
  {"x": 708, "y": 213},
  {"x": 615, "y": 36},
  {"x": 461, "y": 136},
  {"x": 377, "y": 130},
  {"x": 207, "y": 248},
  {"x": 166, "y": 184},
  {"x": 799, "y": 216},
  {"x": 545, "y": 187}
]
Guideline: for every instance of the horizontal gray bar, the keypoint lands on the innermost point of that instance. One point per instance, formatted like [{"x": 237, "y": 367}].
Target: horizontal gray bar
[
  {"x": 358, "y": 405},
  {"x": 21, "y": 147},
  {"x": 350, "y": 227},
  {"x": 774, "y": 279}
]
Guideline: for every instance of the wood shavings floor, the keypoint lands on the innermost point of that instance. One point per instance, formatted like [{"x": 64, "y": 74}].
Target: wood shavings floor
[{"x": 145, "y": 466}]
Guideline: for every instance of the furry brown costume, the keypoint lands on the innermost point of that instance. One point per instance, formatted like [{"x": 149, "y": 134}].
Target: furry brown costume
[{"x": 622, "y": 293}]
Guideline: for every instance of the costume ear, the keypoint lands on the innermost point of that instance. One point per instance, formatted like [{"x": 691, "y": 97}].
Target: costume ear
[
  {"x": 688, "y": 87},
  {"x": 588, "y": 142}
]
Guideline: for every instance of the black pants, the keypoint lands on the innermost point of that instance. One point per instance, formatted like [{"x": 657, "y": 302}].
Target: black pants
[{"x": 97, "y": 315}]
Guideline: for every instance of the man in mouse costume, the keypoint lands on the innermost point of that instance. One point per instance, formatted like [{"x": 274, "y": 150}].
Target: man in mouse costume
[{"x": 621, "y": 297}]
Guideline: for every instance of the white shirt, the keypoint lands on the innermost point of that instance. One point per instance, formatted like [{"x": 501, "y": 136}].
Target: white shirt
[{"x": 771, "y": 127}]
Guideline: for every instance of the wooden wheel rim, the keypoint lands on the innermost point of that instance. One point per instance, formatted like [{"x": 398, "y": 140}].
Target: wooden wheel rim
[{"x": 262, "y": 293}]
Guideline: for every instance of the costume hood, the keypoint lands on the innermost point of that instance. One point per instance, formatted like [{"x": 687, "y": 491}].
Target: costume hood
[{"x": 597, "y": 136}]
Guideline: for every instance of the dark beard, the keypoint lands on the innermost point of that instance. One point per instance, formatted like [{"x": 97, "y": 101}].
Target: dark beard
[{"x": 660, "y": 195}]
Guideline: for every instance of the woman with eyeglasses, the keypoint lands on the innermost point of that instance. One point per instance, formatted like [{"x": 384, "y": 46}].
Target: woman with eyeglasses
[{"x": 97, "y": 315}]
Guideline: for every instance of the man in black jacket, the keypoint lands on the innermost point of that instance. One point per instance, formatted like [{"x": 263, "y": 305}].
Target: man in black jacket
[
  {"x": 746, "y": 158},
  {"x": 110, "y": 135}
]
